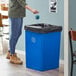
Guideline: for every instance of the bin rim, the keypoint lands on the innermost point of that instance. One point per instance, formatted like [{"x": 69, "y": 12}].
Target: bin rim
[{"x": 43, "y": 28}]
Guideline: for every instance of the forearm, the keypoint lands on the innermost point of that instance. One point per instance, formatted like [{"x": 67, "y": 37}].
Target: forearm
[{"x": 29, "y": 8}]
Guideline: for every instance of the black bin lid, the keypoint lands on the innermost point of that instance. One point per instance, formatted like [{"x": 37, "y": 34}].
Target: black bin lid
[{"x": 43, "y": 28}]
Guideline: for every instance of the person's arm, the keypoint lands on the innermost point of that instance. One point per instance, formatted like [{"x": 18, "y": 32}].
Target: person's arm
[
  {"x": 25, "y": 5},
  {"x": 31, "y": 9}
]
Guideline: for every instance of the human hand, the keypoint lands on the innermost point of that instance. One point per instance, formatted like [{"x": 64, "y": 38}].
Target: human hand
[{"x": 35, "y": 11}]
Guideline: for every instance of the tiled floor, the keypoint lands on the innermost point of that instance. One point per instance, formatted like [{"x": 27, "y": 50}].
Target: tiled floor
[{"x": 8, "y": 69}]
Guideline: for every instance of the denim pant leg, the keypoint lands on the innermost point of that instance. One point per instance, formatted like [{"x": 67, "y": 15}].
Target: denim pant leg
[{"x": 16, "y": 30}]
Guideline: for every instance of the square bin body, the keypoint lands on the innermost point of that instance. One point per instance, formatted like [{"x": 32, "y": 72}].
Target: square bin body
[{"x": 42, "y": 50}]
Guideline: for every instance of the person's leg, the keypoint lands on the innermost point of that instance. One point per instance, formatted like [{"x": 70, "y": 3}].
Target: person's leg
[{"x": 16, "y": 30}]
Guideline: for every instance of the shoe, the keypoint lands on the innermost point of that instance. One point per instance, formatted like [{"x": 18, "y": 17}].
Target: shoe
[
  {"x": 15, "y": 60},
  {"x": 8, "y": 55}
]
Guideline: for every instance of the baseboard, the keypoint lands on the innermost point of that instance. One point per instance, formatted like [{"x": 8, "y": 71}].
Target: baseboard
[
  {"x": 23, "y": 53},
  {"x": 20, "y": 52}
]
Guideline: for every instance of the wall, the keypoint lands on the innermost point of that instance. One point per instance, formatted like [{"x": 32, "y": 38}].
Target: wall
[{"x": 45, "y": 17}]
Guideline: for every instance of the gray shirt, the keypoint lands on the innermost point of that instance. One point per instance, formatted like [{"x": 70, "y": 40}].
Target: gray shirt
[{"x": 17, "y": 8}]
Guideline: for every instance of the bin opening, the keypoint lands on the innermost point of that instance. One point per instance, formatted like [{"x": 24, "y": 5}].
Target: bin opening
[
  {"x": 43, "y": 28},
  {"x": 39, "y": 26}
]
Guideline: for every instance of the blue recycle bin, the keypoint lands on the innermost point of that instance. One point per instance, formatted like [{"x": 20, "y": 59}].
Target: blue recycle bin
[{"x": 42, "y": 42}]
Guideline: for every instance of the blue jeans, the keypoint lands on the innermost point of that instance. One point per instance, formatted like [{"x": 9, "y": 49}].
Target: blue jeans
[{"x": 16, "y": 30}]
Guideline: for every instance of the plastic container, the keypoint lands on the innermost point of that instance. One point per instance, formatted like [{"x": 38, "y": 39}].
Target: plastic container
[{"x": 42, "y": 42}]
